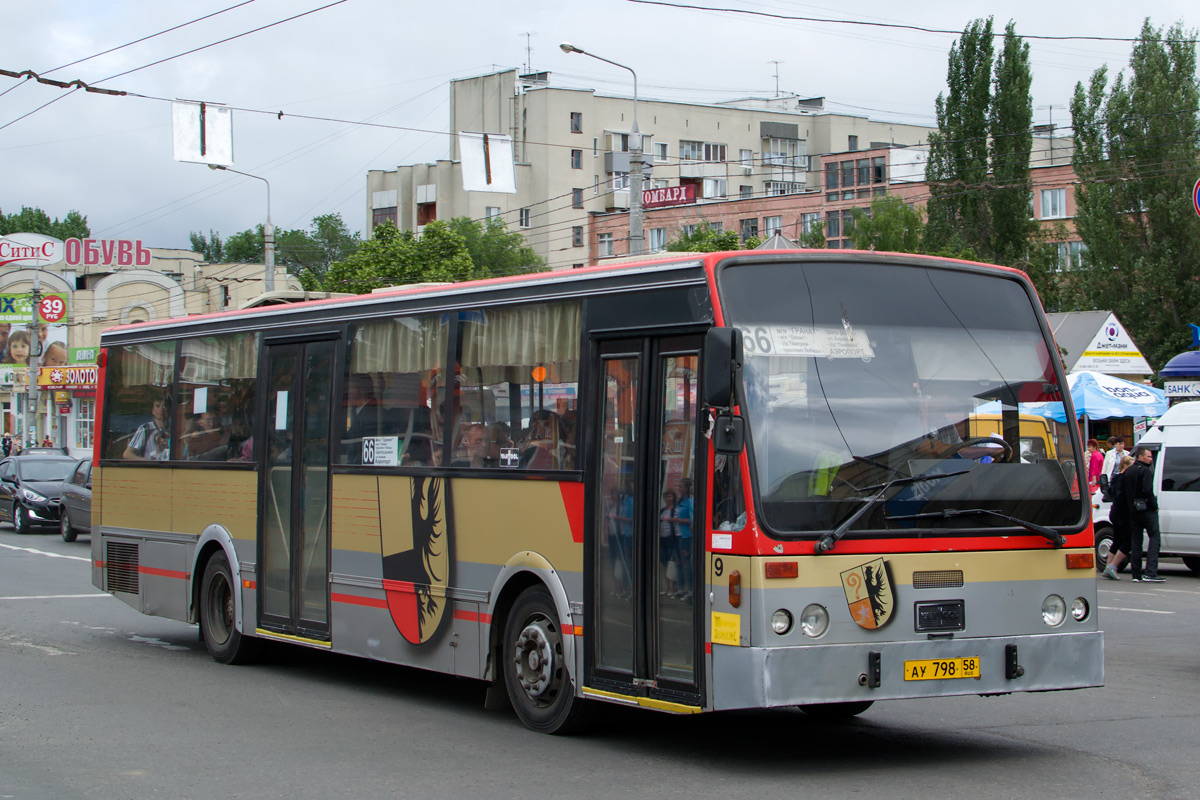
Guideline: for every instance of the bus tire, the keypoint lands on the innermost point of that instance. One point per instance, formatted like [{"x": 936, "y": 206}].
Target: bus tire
[
  {"x": 535, "y": 669},
  {"x": 65, "y": 528},
  {"x": 217, "y": 625},
  {"x": 834, "y": 711}
]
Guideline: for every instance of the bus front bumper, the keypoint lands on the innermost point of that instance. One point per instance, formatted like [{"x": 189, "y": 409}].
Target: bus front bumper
[{"x": 762, "y": 677}]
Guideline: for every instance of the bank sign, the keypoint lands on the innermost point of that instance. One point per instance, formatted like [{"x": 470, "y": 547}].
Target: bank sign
[{"x": 1112, "y": 351}]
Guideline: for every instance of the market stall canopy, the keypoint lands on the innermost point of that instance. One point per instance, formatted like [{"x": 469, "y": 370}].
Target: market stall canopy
[
  {"x": 1099, "y": 396},
  {"x": 1184, "y": 365}
]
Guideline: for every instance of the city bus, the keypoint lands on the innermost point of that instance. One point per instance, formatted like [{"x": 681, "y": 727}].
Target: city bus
[{"x": 718, "y": 481}]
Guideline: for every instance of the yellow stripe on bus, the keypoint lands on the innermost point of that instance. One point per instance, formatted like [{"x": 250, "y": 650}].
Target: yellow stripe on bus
[
  {"x": 646, "y": 702},
  {"x": 287, "y": 637}
]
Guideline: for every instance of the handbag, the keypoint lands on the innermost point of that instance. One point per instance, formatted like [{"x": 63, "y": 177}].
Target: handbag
[{"x": 1139, "y": 504}]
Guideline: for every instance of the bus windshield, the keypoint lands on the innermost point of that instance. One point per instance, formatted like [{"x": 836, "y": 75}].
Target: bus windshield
[{"x": 857, "y": 373}]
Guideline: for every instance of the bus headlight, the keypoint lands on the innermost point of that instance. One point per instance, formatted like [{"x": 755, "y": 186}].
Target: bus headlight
[
  {"x": 1080, "y": 609},
  {"x": 1054, "y": 611},
  {"x": 814, "y": 620},
  {"x": 781, "y": 621}
]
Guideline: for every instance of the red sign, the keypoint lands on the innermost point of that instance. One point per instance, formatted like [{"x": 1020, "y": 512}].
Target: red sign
[
  {"x": 669, "y": 196},
  {"x": 107, "y": 252}
]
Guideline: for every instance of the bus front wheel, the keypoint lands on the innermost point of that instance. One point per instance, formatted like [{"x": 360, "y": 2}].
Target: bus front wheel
[
  {"x": 535, "y": 668},
  {"x": 832, "y": 711},
  {"x": 217, "y": 625}
]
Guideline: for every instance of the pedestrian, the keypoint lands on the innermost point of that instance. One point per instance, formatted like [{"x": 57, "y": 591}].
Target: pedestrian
[
  {"x": 1095, "y": 465},
  {"x": 1138, "y": 484},
  {"x": 1112, "y": 459},
  {"x": 46, "y": 441},
  {"x": 1118, "y": 515},
  {"x": 6, "y": 445}
]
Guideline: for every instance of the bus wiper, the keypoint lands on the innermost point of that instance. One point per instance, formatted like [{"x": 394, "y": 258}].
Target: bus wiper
[
  {"x": 948, "y": 513},
  {"x": 827, "y": 542}
]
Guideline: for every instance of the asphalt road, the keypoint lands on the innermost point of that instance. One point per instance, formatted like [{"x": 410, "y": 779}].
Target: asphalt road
[{"x": 98, "y": 701}]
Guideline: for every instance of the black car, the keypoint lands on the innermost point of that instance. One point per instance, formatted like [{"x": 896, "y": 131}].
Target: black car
[
  {"x": 30, "y": 487},
  {"x": 75, "y": 507}
]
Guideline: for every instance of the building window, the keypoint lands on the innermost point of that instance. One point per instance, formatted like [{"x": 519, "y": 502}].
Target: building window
[
  {"x": 788, "y": 152},
  {"x": 595, "y": 184},
  {"x": 864, "y": 193},
  {"x": 491, "y": 212},
  {"x": 426, "y": 213},
  {"x": 848, "y": 194},
  {"x": 833, "y": 224},
  {"x": 879, "y": 191},
  {"x": 577, "y": 198},
  {"x": 749, "y": 228},
  {"x": 225, "y": 298},
  {"x": 688, "y": 230},
  {"x": 773, "y": 225},
  {"x": 847, "y": 221},
  {"x": 832, "y": 197},
  {"x": 715, "y": 187},
  {"x": 1054, "y": 203},
  {"x": 831, "y": 176},
  {"x": 878, "y": 169},
  {"x": 577, "y": 236},
  {"x": 656, "y": 240},
  {"x": 863, "y": 167},
  {"x": 1070, "y": 255},
  {"x": 847, "y": 173},
  {"x": 576, "y": 122},
  {"x": 576, "y": 159},
  {"x": 382, "y": 215},
  {"x": 617, "y": 142},
  {"x": 852, "y": 141},
  {"x": 691, "y": 151},
  {"x": 619, "y": 180},
  {"x": 745, "y": 192},
  {"x": 716, "y": 227},
  {"x": 662, "y": 152},
  {"x": 595, "y": 147},
  {"x": 780, "y": 188},
  {"x": 523, "y": 217},
  {"x": 660, "y": 183},
  {"x": 809, "y": 222},
  {"x": 714, "y": 152},
  {"x": 833, "y": 244},
  {"x": 604, "y": 244},
  {"x": 85, "y": 421}
]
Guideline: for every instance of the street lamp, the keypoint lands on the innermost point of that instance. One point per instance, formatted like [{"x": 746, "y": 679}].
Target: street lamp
[
  {"x": 268, "y": 232},
  {"x": 636, "y": 238}
]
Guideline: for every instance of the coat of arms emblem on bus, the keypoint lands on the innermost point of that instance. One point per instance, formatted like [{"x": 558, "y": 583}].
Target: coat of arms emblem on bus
[
  {"x": 416, "y": 561},
  {"x": 869, "y": 594}
]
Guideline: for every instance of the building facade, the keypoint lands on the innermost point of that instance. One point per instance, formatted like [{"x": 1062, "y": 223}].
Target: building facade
[
  {"x": 572, "y": 154},
  {"x": 86, "y": 288}
]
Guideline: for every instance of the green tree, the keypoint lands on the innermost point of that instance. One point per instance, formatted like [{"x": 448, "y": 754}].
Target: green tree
[
  {"x": 309, "y": 254},
  {"x": 891, "y": 226},
  {"x": 35, "y": 220},
  {"x": 247, "y": 247},
  {"x": 494, "y": 249},
  {"x": 705, "y": 240},
  {"x": 209, "y": 246},
  {"x": 1010, "y": 128},
  {"x": 814, "y": 237},
  {"x": 1136, "y": 152},
  {"x": 957, "y": 211},
  {"x": 392, "y": 258}
]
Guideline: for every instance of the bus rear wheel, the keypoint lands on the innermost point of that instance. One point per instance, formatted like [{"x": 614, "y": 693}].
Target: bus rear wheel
[
  {"x": 535, "y": 668},
  {"x": 217, "y": 624},
  {"x": 833, "y": 711}
]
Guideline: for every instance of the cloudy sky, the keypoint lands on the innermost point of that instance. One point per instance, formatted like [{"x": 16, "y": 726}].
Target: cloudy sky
[{"x": 377, "y": 72}]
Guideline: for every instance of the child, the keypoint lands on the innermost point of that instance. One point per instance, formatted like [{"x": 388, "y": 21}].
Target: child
[
  {"x": 18, "y": 348},
  {"x": 55, "y": 355}
]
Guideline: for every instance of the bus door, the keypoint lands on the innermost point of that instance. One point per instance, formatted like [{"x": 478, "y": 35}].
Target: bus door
[
  {"x": 644, "y": 574},
  {"x": 293, "y": 459}
]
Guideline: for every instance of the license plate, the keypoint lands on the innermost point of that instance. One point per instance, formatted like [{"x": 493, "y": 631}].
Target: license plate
[{"x": 942, "y": 668}]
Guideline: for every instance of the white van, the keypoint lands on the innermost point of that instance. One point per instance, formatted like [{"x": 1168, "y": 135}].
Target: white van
[{"x": 1175, "y": 438}]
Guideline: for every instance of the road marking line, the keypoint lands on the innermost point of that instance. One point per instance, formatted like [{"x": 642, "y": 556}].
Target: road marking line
[
  {"x": 44, "y": 552},
  {"x": 1141, "y": 610},
  {"x": 53, "y": 596}
]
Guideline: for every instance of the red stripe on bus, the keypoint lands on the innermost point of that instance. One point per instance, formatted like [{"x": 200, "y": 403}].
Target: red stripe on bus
[
  {"x": 572, "y": 495},
  {"x": 399, "y": 586},
  {"x": 486, "y": 619},
  {"x": 708, "y": 648},
  {"x": 163, "y": 573},
  {"x": 99, "y": 564},
  {"x": 358, "y": 600},
  {"x": 466, "y": 616}
]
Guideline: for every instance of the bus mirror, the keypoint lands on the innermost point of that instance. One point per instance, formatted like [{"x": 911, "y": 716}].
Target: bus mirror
[
  {"x": 722, "y": 366},
  {"x": 729, "y": 434}
]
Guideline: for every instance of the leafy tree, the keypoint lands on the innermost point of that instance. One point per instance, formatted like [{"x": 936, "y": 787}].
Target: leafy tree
[
  {"x": 210, "y": 247},
  {"x": 814, "y": 237},
  {"x": 310, "y": 253},
  {"x": 494, "y": 250},
  {"x": 705, "y": 240},
  {"x": 35, "y": 220},
  {"x": 891, "y": 226},
  {"x": 978, "y": 168},
  {"x": 392, "y": 258},
  {"x": 247, "y": 247},
  {"x": 1136, "y": 151}
]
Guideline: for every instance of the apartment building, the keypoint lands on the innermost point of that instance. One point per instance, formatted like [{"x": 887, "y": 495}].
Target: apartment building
[{"x": 572, "y": 153}]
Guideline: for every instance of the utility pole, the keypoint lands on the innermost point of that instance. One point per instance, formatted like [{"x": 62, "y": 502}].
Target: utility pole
[{"x": 35, "y": 350}]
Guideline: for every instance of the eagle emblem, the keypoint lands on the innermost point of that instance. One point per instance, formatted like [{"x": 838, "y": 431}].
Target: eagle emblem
[
  {"x": 869, "y": 594},
  {"x": 416, "y": 561}
]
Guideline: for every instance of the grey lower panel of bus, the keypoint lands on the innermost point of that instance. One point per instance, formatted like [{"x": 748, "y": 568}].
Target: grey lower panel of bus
[{"x": 756, "y": 677}]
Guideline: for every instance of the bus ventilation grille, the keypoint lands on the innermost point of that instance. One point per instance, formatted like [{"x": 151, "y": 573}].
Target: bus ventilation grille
[
  {"x": 938, "y": 579},
  {"x": 122, "y": 567}
]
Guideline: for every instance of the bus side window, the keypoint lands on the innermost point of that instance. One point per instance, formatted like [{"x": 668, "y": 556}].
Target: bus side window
[{"x": 728, "y": 499}]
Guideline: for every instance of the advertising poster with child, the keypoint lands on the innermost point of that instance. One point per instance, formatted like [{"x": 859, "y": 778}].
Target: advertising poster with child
[{"x": 19, "y": 339}]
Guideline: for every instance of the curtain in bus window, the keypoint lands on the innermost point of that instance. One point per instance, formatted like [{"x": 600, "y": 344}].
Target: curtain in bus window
[
  {"x": 392, "y": 398},
  {"x": 516, "y": 387},
  {"x": 215, "y": 417},
  {"x": 138, "y": 382}
]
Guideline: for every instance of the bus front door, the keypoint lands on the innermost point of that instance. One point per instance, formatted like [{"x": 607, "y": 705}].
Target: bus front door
[
  {"x": 644, "y": 558},
  {"x": 293, "y": 558}
]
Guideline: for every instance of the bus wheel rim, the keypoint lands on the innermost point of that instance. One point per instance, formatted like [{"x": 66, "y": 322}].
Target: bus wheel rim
[{"x": 534, "y": 660}]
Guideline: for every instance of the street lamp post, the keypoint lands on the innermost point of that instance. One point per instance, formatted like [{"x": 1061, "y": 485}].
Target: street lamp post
[
  {"x": 636, "y": 238},
  {"x": 268, "y": 231}
]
